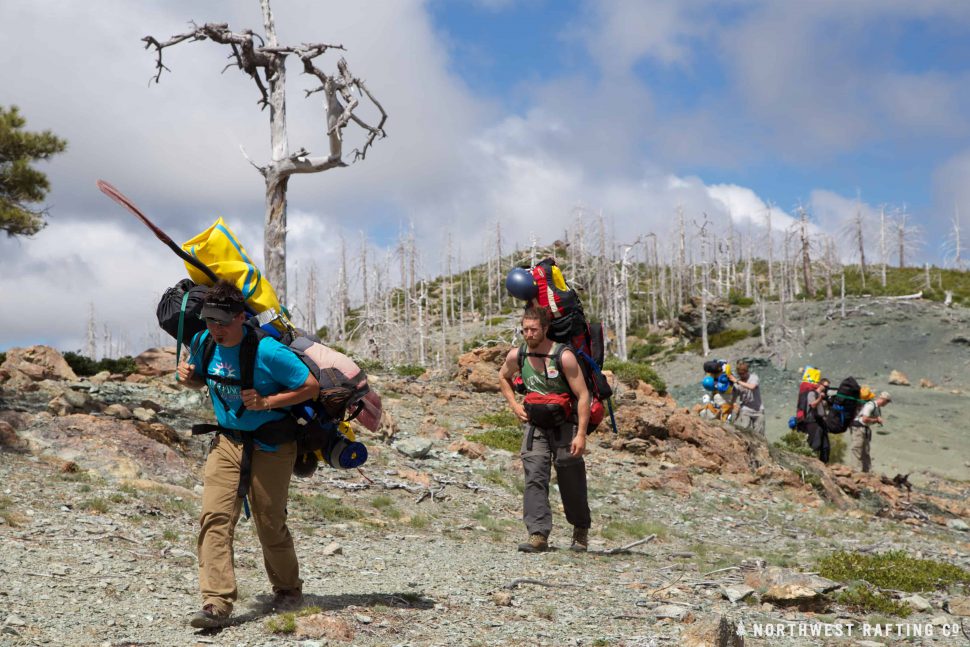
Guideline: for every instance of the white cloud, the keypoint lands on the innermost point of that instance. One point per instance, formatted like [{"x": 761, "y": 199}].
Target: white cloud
[{"x": 452, "y": 163}]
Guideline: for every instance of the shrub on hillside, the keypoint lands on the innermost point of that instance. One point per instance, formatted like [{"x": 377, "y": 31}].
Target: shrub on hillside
[
  {"x": 630, "y": 372},
  {"x": 409, "y": 370},
  {"x": 85, "y": 366},
  {"x": 738, "y": 299},
  {"x": 641, "y": 352}
]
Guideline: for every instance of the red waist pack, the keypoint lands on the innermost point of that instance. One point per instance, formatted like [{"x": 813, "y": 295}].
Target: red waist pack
[{"x": 548, "y": 411}]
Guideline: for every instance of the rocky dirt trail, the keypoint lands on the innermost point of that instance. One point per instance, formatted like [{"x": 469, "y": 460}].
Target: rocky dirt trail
[{"x": 97, "y": 540}]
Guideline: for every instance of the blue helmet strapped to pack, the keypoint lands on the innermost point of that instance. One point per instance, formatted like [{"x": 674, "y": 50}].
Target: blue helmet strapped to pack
[
  {"x": 723, "y": 383},
  {"x": 708, "y": 382},
  {"x": 520, "y": 284}
]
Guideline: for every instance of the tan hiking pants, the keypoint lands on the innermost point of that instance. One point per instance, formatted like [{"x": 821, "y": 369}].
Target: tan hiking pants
[
  {"x": 860, "y": 456},
  {"x": 268, "y": 491}
]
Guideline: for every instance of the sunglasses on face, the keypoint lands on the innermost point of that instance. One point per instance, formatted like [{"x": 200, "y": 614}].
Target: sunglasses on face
[{"x": 209, "y": 321}]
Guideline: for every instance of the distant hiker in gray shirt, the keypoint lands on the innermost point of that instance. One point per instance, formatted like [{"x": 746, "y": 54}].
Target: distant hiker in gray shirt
[
  {"x": 748, "y": 410},
  {"x": 860, "y": 457}
]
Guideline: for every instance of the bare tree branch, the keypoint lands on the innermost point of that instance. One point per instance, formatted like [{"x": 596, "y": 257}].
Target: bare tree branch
[{"x": 264, "y": 60}]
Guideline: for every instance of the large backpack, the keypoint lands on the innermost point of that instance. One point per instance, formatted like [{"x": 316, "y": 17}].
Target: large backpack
[
  {"x": 320, "y": 425},
  {"x": 568, "y": 323},
  {"x": 803, "y": 413},
  {"x": 343, "y": 385},
  {"x": 569, "y": 326},
  {"x": 843, "y": 407},
  {"x": 179, "y": 308}
]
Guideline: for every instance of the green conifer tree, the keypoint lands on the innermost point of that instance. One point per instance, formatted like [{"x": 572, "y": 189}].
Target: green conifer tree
[{"x": 21, "y": 185}]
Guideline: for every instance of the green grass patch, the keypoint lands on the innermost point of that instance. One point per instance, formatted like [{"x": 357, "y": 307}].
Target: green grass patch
[
  {"x": 419, "y": 521},
  {"x": 285, "y": 623},
  {"x": 908, "y": 280},
  {"x": 382, "y": 501},
  {"x": 98, "y": 505},
  {"x": 893, "y": 570},
  {"x": 502, "y": 419},
  {"x": 509, "y": 439},
  {"x": 795, "y": 442},
  {"x": 369, "y": 365},
  {"x": 497, "y": 528},
  {"x": 497, "y": 321},
  {"x": 862, "y": 598},
  {"x": 737, "y": 299},
  {"x": 323, "y": 507},
  {"x": 480, "y": 341},
  {"x": 633, "y": 529},
  {"x": 641, "y": 352},
  {"x": 495, "y": 477},
  {"x": 630, "y": 372},
  {"x": 409, "y": 370},
  {"x": 546, "y": 612},
  {"x": 728, "y": 337}
]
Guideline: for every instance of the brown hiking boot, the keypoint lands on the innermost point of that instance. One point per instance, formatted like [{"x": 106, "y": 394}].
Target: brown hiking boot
[
  {"x": 209, "y": 618},
  {"x": 580, "y": 540},
  {"x": 287, "y": 599},
  {"x": 537, "y": 544}
]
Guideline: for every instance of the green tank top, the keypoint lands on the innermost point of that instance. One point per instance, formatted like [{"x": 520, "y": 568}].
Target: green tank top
[{"x": 544, "y": 382}]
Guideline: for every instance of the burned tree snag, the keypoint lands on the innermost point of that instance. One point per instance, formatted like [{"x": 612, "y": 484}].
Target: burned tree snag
[{"x": 264, "y": 60}]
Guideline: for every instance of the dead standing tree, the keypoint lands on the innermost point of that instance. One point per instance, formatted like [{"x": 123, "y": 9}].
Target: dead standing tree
[{"x": 264, "y": 60}]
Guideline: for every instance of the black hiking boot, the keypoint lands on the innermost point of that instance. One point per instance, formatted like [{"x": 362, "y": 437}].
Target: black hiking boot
[
  {"x": 580, "y": 540},
  {"x": 287, "y": 599},
  {"x": 537, "y": 544},
  {"x": 209, "y": 618}
]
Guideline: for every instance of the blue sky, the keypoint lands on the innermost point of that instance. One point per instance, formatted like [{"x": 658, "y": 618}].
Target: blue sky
[
  {"x": 499, "y": 49},
  {"x": 516, "y": 113}
]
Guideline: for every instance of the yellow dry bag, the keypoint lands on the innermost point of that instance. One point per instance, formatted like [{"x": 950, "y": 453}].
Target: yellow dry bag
[{"x": 219, "y": 249}]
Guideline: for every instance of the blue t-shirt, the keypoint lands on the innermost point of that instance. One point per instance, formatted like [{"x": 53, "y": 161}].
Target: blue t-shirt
[{"x": 277, "y": 369}]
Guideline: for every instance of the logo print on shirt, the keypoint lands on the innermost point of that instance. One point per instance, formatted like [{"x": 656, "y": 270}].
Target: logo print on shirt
[{"x": 228, "y": 392}]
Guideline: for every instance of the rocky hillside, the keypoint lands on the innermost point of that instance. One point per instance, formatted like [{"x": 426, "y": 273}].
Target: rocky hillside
[
  {"x": 699, "y": 530},
  {"x": 919, "y": 350}
]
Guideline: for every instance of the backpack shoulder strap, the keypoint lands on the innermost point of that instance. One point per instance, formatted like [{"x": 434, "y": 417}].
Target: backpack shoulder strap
[
  {"x": 247, "y": 358},
  {"x": 523, "y": 351},
  {"x": 556, "y": 356}
]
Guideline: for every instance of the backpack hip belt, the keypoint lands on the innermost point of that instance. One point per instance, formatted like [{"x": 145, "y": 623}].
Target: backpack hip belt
[{"x": 275, "y": 432}]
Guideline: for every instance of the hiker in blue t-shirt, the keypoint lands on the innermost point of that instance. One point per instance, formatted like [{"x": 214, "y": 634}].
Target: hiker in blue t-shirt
[{"x": 252, "y": 455}]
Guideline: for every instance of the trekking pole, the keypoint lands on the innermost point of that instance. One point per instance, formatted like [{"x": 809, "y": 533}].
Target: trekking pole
[
  {"x": 121, "y": 199},
  {"x": 609, "y": 406}
]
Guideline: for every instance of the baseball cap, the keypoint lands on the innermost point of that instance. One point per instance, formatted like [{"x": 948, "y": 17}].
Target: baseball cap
[{"x": 222, "y": 311}]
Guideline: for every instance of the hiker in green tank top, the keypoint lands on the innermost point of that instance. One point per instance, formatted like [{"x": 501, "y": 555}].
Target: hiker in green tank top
[{"x": 555, "y": 416}]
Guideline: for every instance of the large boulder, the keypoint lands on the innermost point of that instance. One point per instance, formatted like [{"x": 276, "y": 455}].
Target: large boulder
[
  {"x": 156, "y": 361},
  {"x": 113, "y": 448},
  {"x": 689, "y": 320},
  {"x": 478, "y": 369},
  {"x": 898, "y": 377},
  {"x": 24, "y": 366}
]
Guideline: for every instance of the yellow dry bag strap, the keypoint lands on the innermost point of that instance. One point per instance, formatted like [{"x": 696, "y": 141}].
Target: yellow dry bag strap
[{"x": 178, "y": 340}]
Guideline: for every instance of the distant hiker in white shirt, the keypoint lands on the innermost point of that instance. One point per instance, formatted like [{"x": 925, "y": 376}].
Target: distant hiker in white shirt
[
  {"x": 869, "y": 414},
  {"x": 749, "y": 412}
]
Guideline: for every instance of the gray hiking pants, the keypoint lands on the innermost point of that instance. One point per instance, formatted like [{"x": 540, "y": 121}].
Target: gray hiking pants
[
  {"x": 751, "y": 419},
  {"x": 551, "y": 447}
]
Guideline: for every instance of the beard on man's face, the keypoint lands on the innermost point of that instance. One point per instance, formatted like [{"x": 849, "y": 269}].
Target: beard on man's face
[{"x": 533, "y": 342}]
